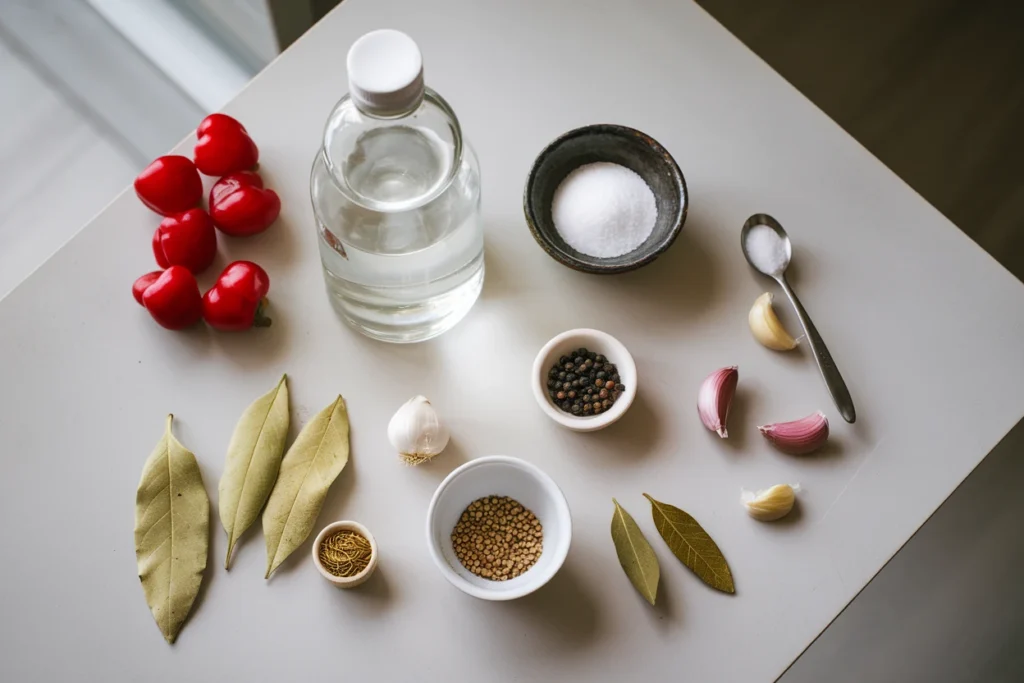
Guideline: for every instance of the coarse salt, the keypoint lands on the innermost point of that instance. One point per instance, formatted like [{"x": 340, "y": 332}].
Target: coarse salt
[
  {"x": 604, "y": 210},
  {"x": 766, "y": 249}
]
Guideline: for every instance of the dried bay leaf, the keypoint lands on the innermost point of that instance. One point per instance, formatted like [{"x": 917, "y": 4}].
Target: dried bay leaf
[
  {"x": 692, "y": 545},
  {"x": 172, "y": 532},
  {"x": 635, "y": 554},
  {"x": 253, "y": 461},
  {"x": 309, "y": 468}
]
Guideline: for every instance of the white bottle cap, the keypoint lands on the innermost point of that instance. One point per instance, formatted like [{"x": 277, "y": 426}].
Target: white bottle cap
[{"x": 385, "y": 73}]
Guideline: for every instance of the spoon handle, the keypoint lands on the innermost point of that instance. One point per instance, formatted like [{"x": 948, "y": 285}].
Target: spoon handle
[{"x": 827, "y": 366}]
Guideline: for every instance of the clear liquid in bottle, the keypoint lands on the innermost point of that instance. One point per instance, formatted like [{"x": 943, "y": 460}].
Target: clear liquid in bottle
[{"x": 396, "y": 194}]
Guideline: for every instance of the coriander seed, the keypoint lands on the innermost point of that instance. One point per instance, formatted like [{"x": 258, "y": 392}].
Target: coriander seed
[{"x": 497, "y": 538}]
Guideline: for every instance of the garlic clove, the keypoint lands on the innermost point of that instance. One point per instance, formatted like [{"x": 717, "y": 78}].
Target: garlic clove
[
  {"x": 417, "y": 432},
  {"x": 770, "y": 504},
  {"x": 715, "y": 397},
  {"x": 766, "y": 326},
  {"x": 798, "y": 437}
]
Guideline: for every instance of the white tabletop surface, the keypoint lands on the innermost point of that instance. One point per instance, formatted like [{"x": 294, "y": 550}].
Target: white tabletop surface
[{"x": 925, "y": 326}]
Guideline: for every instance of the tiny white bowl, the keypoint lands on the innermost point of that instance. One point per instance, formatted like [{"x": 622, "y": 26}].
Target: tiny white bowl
[
  {"x": 502, "y": 476},
  {"x": 346, "y": 581},
  {"x": 598, "y": 342}
]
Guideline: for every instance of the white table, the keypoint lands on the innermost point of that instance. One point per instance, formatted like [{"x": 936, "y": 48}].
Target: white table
[{"x": 925, "y": 326}]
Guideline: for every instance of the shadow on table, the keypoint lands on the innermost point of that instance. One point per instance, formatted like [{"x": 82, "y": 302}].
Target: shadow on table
[
  {"x": 565, "y": 611},
  {"x": 681, "y": 284}
]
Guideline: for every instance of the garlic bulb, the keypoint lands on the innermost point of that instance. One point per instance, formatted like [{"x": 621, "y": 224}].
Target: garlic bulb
[
  {"x": 417, "y": 432},
  {"x": 770, "y": 504},
  {"x": 766, "y": 326}
]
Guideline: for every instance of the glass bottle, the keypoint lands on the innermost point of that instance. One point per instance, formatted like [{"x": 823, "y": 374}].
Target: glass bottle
[{"x": 396, "y": 195}]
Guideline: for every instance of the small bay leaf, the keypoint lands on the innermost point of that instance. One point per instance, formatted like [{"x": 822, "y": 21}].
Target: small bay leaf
[
  {"x": 635, "y": 554},
  {"x": 172, "y": 532},
  {"x": 252, "y": 463},
  {"x": 309, "y": 468},
  {"x": 692, "y": 545}
]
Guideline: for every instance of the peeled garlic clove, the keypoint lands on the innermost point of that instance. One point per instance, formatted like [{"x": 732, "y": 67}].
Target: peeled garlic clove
[
  {"x": 766, "y": 326},
  {"x": 798, "y": 437},
  {"x": 715, "y": 397},
  {"x": 417, "y": 432},
  {"x": 770, "y": 504}
]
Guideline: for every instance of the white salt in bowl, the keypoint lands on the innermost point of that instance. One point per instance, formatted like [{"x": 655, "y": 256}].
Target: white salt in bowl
[
  {"x": 502, "y": 476},
  {"x": 598, "y": 342},
  {"x": 619, "y": 145}
]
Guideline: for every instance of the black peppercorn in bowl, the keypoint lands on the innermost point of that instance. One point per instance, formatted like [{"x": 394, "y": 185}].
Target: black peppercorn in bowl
[
  {"x": 619, "y": 145},
  {"x": 584, "y": 379}
]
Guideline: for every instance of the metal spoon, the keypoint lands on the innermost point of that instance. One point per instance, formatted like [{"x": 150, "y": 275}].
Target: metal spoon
[{"x": 827, "y": 366}]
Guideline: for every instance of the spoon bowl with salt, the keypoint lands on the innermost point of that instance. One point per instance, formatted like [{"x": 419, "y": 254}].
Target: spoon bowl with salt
[{"x": 768, "y": 250}]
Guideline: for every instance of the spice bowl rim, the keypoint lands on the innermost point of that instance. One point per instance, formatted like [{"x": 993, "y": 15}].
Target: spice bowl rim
[
  {"x": 356, "y": 579},
  {"x": 642, "y": 255},
  {"x": 559, "y": 550},
  {"x": 606, "y": 345}
]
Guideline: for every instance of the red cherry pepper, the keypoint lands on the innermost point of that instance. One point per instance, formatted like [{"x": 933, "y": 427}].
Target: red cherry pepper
[
  {"x": 224, "y": 146},
  {"x": 241, "y": 207},
  {"x": 172, "y": 297},
  {"x": 187, "y": 239},
  {"x": 237, "y": 300},
  {"x": 170, "y": 185},
  {"x": 142, "y": 284}
]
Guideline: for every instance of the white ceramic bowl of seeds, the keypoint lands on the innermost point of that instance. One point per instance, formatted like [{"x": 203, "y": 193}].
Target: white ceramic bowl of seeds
[
  {"x": 567, "y": 347},
  {"x": 336, "y": 546},
  {"x": 518, "y": 496}
]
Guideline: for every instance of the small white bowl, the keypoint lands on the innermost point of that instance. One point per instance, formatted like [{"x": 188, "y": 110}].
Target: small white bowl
[
  {"x": 598, "y": 342},
  {"x": 346, "y": 581},
  {"x": 502, "y": 476}
]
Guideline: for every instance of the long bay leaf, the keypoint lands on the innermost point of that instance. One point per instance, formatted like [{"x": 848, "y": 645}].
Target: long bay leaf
[
  {"x": 252, "y": 463},
  {"x": 309, "y": 468},
  {"x": 635, "y": 554},
  {"x": 172, "y": 532},
  {"x": 692, "y": 545}
]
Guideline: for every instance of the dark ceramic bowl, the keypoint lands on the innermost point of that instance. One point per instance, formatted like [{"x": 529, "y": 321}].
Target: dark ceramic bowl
[{"x": 619, "y": 145}]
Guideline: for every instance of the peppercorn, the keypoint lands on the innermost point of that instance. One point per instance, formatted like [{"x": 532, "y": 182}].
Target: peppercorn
[{"x": 584, "y": 383}]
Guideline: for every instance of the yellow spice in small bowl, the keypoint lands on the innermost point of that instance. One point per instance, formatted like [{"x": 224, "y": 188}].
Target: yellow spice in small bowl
[{"x": 345, "y": 553}]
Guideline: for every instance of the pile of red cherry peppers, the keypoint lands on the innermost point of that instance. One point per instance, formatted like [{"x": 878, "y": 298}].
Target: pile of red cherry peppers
[{"x": 185, "y": 244}]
